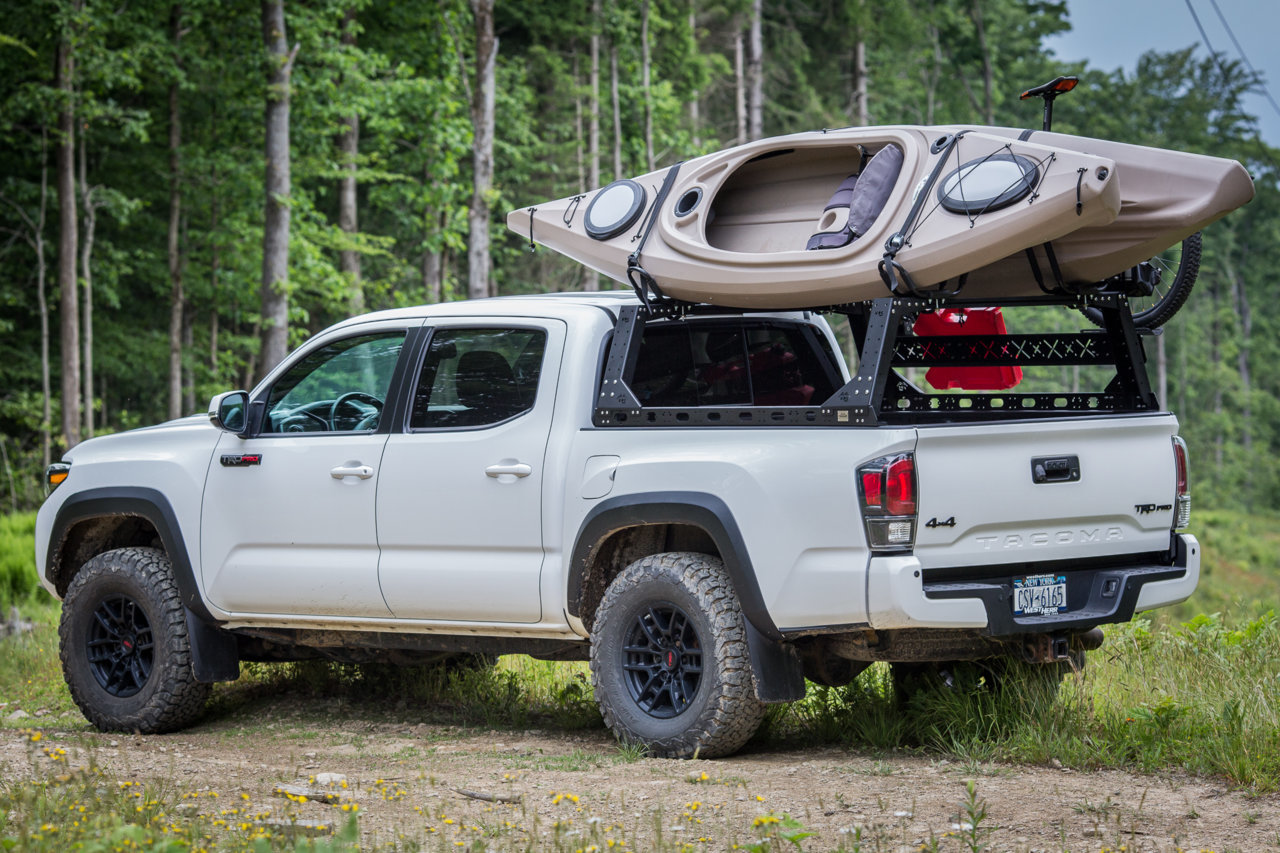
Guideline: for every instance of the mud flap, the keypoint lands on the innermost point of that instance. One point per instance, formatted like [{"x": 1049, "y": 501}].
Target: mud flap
[
  {"x": 214, "y": 653},
  {"x": 778, "y": 674}
]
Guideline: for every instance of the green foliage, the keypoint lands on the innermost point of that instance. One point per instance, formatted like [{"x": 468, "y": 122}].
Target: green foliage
[
  {"x": 17, "y": 559},
  {"x": 1239, "y": 573},
  {"x": 776, "y": 833},
  {"x": 1202, "y": 696},
  {"x": 407, "y": 76}
]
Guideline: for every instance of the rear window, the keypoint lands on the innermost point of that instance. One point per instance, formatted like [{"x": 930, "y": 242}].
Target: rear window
[{"x": 732, "y": 363}]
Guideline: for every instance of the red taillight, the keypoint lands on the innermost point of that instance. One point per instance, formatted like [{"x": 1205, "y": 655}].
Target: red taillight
[
  {"x": 902, "y": 486},
  {"x": 872, "y": 488},
  {"x": 1182, "y": 496},
  {"x": 887, "y": 487},
  {"x": 1180, "y": 461}
]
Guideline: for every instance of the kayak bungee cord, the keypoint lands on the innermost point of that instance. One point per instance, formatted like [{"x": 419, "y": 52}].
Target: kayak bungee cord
[{"x": 637, "y": 276}]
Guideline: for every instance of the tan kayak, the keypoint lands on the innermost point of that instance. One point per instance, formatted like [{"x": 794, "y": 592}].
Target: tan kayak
[{"x": 824, "y": 218}]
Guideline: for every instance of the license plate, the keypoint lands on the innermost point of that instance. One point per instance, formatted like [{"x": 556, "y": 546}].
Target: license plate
[{"x": 1039, "y": 595}]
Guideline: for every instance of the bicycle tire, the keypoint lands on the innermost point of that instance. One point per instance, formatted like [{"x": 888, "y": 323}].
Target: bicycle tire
[{"x": 1167, "y": 300}]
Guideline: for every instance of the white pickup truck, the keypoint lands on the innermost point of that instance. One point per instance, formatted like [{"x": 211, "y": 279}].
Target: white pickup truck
[{"x": 706, "y": 505}]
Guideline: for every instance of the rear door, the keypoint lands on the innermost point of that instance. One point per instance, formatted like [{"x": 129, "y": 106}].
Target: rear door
[
  {"x": 1022, "y": 492},
  {"x": 460, "y": 494}
]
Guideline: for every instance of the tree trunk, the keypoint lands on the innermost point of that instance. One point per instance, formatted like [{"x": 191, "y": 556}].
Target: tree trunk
[
  {"x": 1215, "y": 363},
  {"x": 1184, "y": 413},
  {"x": 433, "y": 222},
  {"x": 215, "y": 262},
  {"x": 755, "y": 72},
  {"x": 86, "y": 274},
  {"x": 593, "y": 132},
  {"x": 42, "y": 301},
  {"x": 644, "y": 80},
  {"x": 188, "y": 374},
  {"x": 275, "y": 231},
  {"x": 349, "y": 151},
  {"x": 432, "y": 280},
  {"x": 988, "y": 75},
  {"x": 177, "y": 297},
  {"x": 590, "y": 278},
  {"x": 739, "y": 85},
  {"x": 933, "y": 75},
  {"x": 695, "y": 119},
  {"x": 617, "y": 112},
  {"x": 860, "y": 116},
  {"x": 68, "y": 239},
  {"x": 580, "y": 156},
  {"x": 1162, "y": 371},
  {"x": 1246, "y": 376},
  {"x": 482, "y": 118}
]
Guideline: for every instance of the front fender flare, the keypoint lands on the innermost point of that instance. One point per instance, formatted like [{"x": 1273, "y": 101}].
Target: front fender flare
[{"x": 214, "y": 651}]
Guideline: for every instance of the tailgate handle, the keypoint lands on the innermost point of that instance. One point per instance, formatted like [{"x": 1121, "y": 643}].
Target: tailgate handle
[{"x": 1055, "y": 469}]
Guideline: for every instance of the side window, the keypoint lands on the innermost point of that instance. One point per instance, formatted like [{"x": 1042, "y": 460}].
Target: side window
[
  {"x": 477, "y": 377},
  {"x": 340, "y": 387},
  {"x": 730, "y": 364}
]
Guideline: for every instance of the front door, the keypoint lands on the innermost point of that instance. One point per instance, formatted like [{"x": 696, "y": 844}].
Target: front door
[
  {"x": 460, "y": 494},
  {"x": 288, "y": 525}
]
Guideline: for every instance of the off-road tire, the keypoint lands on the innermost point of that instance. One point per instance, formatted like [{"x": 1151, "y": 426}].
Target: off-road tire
[
  {"x": 722, "y": 711},
  {"x": 161, "y": 694}
]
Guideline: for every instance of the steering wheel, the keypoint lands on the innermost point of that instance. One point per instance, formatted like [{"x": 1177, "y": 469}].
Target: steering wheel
[
  {"x": 364, "y": 421},
  {"x": 299, "y": 419}
]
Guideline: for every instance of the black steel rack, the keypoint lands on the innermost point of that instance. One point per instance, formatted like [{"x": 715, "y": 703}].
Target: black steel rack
[{"x": 878, "y": 394}]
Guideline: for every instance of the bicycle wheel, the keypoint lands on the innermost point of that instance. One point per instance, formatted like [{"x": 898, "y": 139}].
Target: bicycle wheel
[{"x": 1178, "y": 267}]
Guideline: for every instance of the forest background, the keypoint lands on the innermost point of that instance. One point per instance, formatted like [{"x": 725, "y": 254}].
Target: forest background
[{"x": 190, "y": 190}]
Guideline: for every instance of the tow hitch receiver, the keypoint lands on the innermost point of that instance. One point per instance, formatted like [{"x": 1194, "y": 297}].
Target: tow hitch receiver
[
  {"x": 1049, "y": 648},
  {"x": 1046, "y": 648}
]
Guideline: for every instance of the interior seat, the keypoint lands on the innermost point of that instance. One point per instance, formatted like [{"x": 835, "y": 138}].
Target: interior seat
[
  {"x": 858, "y": 201},
  {"x": 485, "y": 383}
]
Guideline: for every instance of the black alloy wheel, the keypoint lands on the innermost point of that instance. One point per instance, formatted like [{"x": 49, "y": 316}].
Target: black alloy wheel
[
  {"x": 119, "y": 646},
  {"x": 670, "y": 663},
  {"x": 126, "y": 647},
  {"x": 662, "y": 661}
]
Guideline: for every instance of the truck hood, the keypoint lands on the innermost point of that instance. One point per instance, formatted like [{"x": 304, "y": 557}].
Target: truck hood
[{"x": 151, "y": 443}]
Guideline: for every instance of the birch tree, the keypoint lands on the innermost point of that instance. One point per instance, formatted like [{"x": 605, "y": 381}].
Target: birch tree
[{"x": 277, "y": 182}]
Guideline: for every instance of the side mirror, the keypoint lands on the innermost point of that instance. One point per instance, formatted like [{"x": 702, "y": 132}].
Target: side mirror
[{"x": 229, "y": 412}]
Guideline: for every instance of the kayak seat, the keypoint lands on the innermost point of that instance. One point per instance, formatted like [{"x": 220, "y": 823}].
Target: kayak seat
[{"x": 858, "y": 201}]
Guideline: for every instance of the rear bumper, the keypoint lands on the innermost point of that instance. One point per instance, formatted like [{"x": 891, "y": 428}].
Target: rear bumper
[{"x": 902, "y": 595}]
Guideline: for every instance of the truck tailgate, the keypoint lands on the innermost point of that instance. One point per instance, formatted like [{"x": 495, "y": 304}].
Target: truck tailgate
[{"x": 1006, "y": 493}]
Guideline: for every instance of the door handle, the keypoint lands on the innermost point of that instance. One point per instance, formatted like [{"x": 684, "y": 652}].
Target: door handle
[
  {"x": 515, "y": 469},
  {"x": 364, "y": 472}
]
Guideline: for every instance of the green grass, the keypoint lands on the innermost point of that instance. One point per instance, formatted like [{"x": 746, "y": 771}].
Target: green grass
[
  {"x": 1201, "y": 696},
  {"x": 18, "y": 580},
  {"x": 30, "y": 672},
  {"x": 85, "y": 809},
  {"x": 1240, "y": 567}
]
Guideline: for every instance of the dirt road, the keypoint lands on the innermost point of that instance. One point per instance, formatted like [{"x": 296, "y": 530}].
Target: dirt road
[{"x": 574, "y": 789}]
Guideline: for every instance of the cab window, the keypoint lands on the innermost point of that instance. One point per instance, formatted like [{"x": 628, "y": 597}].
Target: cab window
[
  {"x": 340, "y": 387},
  {"x": 477, "y": 377}
]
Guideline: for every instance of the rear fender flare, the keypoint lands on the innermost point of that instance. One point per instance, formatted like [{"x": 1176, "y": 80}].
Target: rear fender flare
[{"x": 775, "y": 664}]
